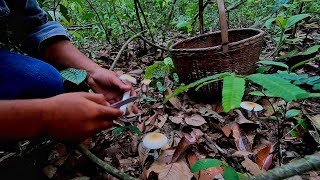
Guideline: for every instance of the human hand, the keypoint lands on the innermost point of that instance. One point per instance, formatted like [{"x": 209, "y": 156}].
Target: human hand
[
  {"x": 109, "y": 84},
  {"x": 77, "y": 116}
]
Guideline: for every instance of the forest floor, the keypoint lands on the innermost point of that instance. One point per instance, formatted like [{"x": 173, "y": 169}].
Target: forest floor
[{"x": 246, "y": 142}]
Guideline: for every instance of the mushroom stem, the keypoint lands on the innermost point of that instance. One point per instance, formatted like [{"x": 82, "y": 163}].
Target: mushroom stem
[{"x": 126, "y": 95}]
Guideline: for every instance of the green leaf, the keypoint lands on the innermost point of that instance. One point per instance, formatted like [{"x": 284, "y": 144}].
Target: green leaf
[
  {"x": 175, "y": 77},
  {"x": 196, "y": 83},
  {"x": 292, "y": 113},
  {"x": 266, "y": 62},
  {"x": 289, "y": 54},
  {"x": 316, "y": 87},
  {"x": 290, "y": 76},
  {"x": 294, "y": 19},
  {"x": 74, "y": 75},
  {"x": 294, "y": 133},
  {"x": 168, "y": 61},
  {"x": 259, "y": 93},
  {"x": 263, "y": 69},
  {"x": 204, "y": 164},
  {"x": 269, "y": 22},
  {"x": 310, "y": 50},
  {"x": 152, "y": 69},
  {"x": 281, "y": 22},
  {"x": 302, "y": 122},
  {"x": 230, "y": 174},
  {"x": 160, "y": 87},
  {"x": 134, "y": 129},
  {"x": 64, "y": 12},
  {"x": 278, "y": 86},
  {"x": 232, "y": 92},
  {"x": 117, "y": 131}
]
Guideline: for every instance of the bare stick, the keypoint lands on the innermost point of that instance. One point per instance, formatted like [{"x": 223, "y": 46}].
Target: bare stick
[
  {"x": 201, "y": 8},
  {"x": 103, "y": 27},
  {"x": 170, "y": 13},
  {"x": 300, "y": 166},
  {"x": 145, "y": 19},
  {"x": 152, "y": 44},
  {"x": 121, "y": 50},
  {"x": 105, "y": 166},
  {"x": 197, "y": 15}
]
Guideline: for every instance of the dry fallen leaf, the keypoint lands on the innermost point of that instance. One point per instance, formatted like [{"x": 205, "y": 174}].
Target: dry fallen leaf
[
  {"x": 264, "y": 157},
  {"x": 167, "y": 170},
  {"x": 206, "y": 112},
  {"x": 316, "y": 120},
  {"x": 174, "y": 100},
  {"x": 183, "y": 145},
  {"x": 227, "y": 130},
  {"x": 162, "y": 119},
  {"x": 240, "y": 139},
  {"x": 143, "y": 153},
  {"x": 241, "y": 119},
  {"x": 251, "y": 166},
  {"x": 195, "y": 120}
]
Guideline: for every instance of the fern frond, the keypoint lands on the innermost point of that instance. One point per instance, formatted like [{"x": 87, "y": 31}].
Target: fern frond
[
  {"x": 279, "y": 86},
  {"x": 232, "y": 92}
]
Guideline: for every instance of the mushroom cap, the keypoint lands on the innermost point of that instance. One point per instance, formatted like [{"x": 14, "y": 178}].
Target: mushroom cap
[
  {"x": 251, "y": 106},
  {"x": 129, "y": 78},
  {"x": 154, "y": 140}
]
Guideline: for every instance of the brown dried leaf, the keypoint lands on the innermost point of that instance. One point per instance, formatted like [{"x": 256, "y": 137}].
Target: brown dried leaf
[
  {"x": 174, "y": 100},
  {"x": 227, "y": 130},
  {"x": 241, "y": 154},
  {"x": 206, "y": 112},
  {"x": 241, "y": 140},
  {"x": 195, "y": 120},
  {"x": 163, "y": 119},
  {"x": 316, "y": 121},
  {"x": 264, "y": 157},
  {"x": 251, "y": 166},
  {"x": 143, "y": 153},
  {"x": 183, "y": 145},
  {"x": 241, "y": 119},
  {"x": 167, "y": 170},
  {"x": 176, "y": 119}
]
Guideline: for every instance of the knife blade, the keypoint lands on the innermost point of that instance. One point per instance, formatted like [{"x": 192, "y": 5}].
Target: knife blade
[{"x": 123, "y": 102}]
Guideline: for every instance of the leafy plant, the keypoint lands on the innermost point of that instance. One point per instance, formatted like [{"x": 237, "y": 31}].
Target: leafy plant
[
  {"x": 74, "y": 75},
  {"x": 117, "y": 131},
  {"x": 276, "y": 85},
  {"x": 159, "y": 71},
  {"x": 229, "y": 172}
]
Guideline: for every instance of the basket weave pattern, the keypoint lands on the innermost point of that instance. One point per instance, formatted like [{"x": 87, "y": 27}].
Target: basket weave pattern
[{"x": 201, "y": 56}]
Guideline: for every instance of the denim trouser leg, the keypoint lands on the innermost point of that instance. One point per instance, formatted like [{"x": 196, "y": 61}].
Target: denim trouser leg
[{"x": 24, "y": 77}]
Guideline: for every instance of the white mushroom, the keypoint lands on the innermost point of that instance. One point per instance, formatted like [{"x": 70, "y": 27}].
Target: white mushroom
[
  {"x": 155, "y": 140},
  {"x": 127, "y": 79},
  {"x": 251, "y": 106}
]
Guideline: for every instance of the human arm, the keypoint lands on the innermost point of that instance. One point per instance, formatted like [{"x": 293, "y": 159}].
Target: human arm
[{"x": 72, "y": 117}]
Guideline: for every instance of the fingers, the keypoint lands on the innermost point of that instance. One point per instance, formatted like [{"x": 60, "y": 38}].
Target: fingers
[
  {"x": 132, "y": 92},
  {"x": 108, "y": 113},
  {"x": 118, "y": 83},
  {"x": 97, "y": 98}
]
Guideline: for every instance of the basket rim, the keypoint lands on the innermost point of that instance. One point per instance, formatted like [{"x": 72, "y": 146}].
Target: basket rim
[{"x": 261, "y": 33}]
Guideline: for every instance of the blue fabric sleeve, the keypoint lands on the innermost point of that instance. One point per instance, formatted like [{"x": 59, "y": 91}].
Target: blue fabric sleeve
[{"x": 30, "y": 26}]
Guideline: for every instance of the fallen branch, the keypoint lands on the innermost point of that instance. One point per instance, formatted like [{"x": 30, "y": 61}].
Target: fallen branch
[
  {"x": 300, "y": 166},
  {"x": 152, "y": 44},
  {"x": 121, "y": 50},
  {"x": 105, "y": 166}
]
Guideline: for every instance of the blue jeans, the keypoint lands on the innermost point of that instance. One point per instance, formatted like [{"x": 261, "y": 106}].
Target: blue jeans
[{"x": 24, "y": 77}]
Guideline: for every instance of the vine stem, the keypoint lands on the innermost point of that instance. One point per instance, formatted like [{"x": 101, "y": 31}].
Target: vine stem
[{"x": 105, "y": 166}]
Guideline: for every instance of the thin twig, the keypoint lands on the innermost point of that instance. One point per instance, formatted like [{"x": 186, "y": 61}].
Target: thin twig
[
  {"x": 201, "y": 8},
  {"x": 170, "y": 13},
  {"x": 150, "y": 43},
  {"x": 145, "y": 20},
  {"x": 103, "y": 27},
  {"x": 105, "y": 166},
  {"x": 234, "y": 6},
  {"x": 121, "y": 50},
  {"x": 197, "y": 15}
]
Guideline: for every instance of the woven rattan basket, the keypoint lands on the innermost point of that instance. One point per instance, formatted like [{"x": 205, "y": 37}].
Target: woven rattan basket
[{"x": 234, "y": 50}]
